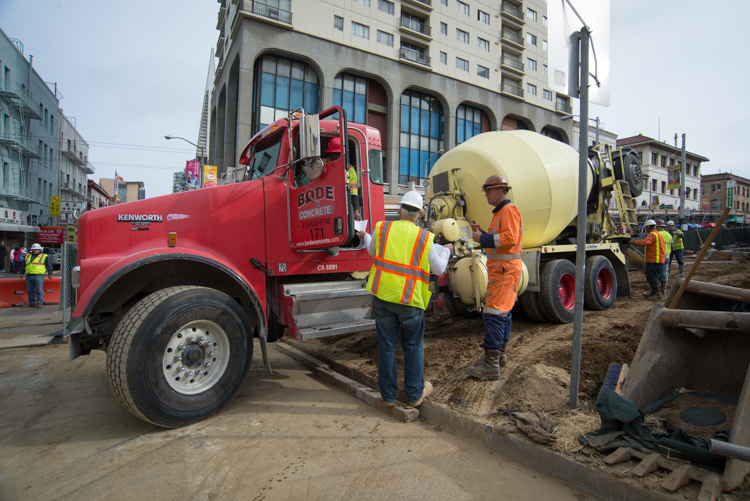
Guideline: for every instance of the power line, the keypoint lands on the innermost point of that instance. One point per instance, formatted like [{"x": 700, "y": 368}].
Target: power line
[{"x": 138, "y": 166}]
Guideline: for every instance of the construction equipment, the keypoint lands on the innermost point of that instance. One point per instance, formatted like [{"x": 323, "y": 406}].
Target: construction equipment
[{"x": 544, "y": 176}]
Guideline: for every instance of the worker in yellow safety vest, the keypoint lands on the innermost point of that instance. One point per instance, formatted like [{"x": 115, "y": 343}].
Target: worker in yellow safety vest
[
  {"x": 504, "y": 269},
  {"x": 405, "y": 254},
  {"x": 34, "y": 267},
  {"x": 678, "y": 247},
  {"x": 661, "y": 227},
  {"x": 334, "y": 151}
]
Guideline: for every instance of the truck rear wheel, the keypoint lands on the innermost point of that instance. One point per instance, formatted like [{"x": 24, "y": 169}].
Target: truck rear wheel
[
  {"x": 600, "y": 283},
  {"x": 531, "y": 307},
  {"x": 628, "y": 167},
  {"x": 180, "y": 355},
  {"x": 558, "y": 291}
]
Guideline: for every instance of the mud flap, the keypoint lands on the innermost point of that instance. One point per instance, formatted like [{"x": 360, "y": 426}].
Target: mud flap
[
  {"x": 75, "y": 327},
  {"x": 264, "y": 348}
]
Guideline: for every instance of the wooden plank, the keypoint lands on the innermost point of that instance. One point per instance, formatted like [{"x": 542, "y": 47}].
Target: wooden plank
[{"x": 402, "y": 412}]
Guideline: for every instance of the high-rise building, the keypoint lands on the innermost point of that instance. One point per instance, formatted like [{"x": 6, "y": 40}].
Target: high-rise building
[
  {"x": 429, "y": 74},
  {"x": 178, "y": 182}
]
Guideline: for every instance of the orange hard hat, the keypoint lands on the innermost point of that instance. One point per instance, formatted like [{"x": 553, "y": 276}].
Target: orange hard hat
[{"x": 334, "y": 145}]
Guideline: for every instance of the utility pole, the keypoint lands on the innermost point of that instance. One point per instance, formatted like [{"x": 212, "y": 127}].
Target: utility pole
[{"x": 682, "y": 184}]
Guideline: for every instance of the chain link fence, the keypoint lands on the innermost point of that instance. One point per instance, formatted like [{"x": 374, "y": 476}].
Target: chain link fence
[{"x": 67, "y": 293}]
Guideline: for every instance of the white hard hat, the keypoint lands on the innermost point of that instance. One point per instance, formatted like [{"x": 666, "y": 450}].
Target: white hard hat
[
  {"x": 670, "y": 223},
  {"x": 413, "y": 199},
  {"x": 650, "y": 222},
  {"x": 36, "y": 247}
]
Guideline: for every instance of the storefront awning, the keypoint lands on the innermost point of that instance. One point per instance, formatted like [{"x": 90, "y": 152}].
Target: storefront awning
[{"x": 19, "y": 228}]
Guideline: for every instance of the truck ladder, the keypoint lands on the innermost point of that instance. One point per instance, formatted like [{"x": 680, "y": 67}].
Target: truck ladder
[{"x": 626, "y": 207}]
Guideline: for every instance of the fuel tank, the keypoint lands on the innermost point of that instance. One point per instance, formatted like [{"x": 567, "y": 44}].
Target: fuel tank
[{"x": 542, "y": 172}]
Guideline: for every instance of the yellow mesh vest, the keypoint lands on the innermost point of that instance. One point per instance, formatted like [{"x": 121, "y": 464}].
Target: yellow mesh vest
[{"x": 35, "y": 264}]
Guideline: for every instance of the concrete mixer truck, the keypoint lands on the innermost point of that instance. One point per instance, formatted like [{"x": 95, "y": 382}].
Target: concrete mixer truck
[{"x": 544, "y": 176}]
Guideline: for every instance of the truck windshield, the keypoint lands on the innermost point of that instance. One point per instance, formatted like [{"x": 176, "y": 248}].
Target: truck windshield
[{"x": 264, "y": 158}]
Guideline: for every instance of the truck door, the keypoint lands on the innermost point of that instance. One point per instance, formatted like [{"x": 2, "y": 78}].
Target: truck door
[{"x": 319, "y": 214}]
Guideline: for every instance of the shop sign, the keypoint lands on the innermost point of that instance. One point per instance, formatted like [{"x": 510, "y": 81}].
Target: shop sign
[
  {"x": 11, "y": 216},
  {"x": 51, "y": 235}
]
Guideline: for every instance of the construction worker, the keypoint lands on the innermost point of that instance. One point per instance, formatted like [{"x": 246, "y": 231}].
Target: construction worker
[
  {"x": 334, "y": 149},
  {"x": 655, "y": 256},
  {"x": 504, "y": 268},
  {"x": 677, "y": 247},
  {"x": 661, "y": 227},
  {"x": 34, "y": 267},
  {"x": 399, "y": 280}
]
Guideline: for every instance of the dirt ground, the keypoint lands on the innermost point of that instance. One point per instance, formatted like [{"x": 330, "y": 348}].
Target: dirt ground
[{"x": 539, "y": 355}]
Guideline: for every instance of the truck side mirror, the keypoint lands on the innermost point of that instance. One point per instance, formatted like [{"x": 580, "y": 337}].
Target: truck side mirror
[{"x": 309, "y": 136}]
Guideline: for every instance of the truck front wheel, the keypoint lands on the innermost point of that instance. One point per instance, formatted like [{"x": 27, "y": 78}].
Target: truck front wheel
[
  {"x": 600, "y": 283},
  {"x": 180, "y": 355},
  {"x": 558, "y": 290}
]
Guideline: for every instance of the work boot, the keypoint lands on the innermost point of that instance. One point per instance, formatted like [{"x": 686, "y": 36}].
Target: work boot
[
  {"x": 425, "y": 393},
  {"x": 503, "y": 360},
  {"x": 682, "y": 270},
  {"x": 663, "y": 288},
  {"x": 653, "y": 293},
  {"x": 489, "y": 368}
]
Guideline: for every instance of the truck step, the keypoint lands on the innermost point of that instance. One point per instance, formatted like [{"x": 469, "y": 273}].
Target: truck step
[{"x": 335, "y": 329}]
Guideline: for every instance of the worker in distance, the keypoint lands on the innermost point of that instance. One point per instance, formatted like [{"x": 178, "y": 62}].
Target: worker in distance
[{"x": 504, "y": 269}]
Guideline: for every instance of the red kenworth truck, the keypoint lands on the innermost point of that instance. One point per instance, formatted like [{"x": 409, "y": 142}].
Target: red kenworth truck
[{"x": 175, "y": 288}]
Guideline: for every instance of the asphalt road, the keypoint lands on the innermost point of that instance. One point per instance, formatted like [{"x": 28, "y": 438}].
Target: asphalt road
[{"x": 287, "y": 436}]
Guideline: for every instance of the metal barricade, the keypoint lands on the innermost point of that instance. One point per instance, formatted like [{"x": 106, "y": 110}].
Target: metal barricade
[{"x": 67, "y": 293}]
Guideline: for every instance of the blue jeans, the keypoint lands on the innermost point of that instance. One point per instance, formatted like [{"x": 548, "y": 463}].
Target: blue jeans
[
  {"x": 653, "y": 271},
  {"x": 35, "y": 283},
  {"x": 664, "y": 271},
  {"x": 496, "y": 330},
  {"x": 388, "y": 318},
  {"x": 676, "y": 254}
]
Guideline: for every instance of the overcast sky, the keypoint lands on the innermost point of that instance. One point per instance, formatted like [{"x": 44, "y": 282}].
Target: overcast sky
[{"x": 132, "y": 72}]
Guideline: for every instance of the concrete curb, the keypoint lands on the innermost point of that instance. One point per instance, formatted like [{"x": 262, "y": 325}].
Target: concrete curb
[{"x": 596, "y": 483}]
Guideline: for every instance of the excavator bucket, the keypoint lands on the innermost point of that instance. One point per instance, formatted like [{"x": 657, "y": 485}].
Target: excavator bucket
[{"x": 702, "y": 344}]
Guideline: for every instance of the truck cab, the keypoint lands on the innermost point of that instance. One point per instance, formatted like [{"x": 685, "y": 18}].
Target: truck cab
[{"x": 175, "y": 288}]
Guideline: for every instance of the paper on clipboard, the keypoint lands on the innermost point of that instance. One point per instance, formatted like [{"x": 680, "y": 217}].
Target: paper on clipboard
[{"x": 360, "y": 225}]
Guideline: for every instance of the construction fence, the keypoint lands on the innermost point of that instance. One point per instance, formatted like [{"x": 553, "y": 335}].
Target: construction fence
[{"x": 694, "y": 239}]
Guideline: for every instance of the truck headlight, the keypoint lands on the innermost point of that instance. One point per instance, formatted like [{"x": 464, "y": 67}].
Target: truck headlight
[{"x": 75, "y": 277}]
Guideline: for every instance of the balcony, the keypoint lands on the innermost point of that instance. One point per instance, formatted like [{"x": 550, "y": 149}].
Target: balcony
[
  {"x": 266, "y": 11},
  {"x": 512, "y": 90},
  {"x": 71, "y": 155},
  {"x": 512, "y": 13},
  {"x": 67, "y": 188},
  {"x": 563, "y": 108},
  {"x": 425, "y": 4},
  {"x": 420, "y": 29},
  {"x": 508, "y": 63},
  {"x": 222, "y": 15},
  {"x": 220, "y": 46},
  {"x": 414, "y": 56},
  {"x": 20, "y": 144},
  {"x": 513, "y": 39},
  {"x": 90, "y": 168},
  {"x": 19, "y": 98}
]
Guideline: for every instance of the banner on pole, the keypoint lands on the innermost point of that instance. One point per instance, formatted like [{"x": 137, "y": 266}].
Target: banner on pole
[
  {"x": 193, "y": 173},
  {"x": 673, "y": 180},
  {"x": 210, "y": 176}
]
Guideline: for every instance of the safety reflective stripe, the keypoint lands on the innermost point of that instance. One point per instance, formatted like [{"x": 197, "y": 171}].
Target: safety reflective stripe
[
  {"x": 493, "y": 311},
  {"x": 384, "y": 229},
  {"x": 401, "y": 269},
  {"x": 503, "y": 257},
  {"x": 408, "y": 291},
  {"x": 416, "y": 254},
  {"x": 376, "y": 282}
]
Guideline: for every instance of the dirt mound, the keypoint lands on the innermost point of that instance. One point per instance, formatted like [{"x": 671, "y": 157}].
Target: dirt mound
[
  {"x": 745, "y": 259},
  {"x": 720, "y": 256},
  {"x": 536, "y": 388}
]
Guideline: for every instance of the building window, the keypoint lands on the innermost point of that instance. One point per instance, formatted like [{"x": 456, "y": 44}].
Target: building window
[
  {"x": 462, "y": 64},
  {"x": 360, "y": 30},
  {"x": 443, "y": 29},
  {"x": 483, "y": 72},
  {"x": 695, "y": 170},
  {"x": 385, "y": 38},
  {"x": 653, "y": 185},
  {"x": 385, "y": 6},
  {"x": 531, "y": 89},
  {"x": 545, "y": 69},
  {"x": 483, "y": 44},
  {"x": 663, "y": 186},
  {"x": 547, "y": 94},
  {"x": 338, "y": 23},
  {"x": 545, "y": 47},
  {"x": 421, "y": 135},
  {"x": 663, "y": 161},
  {"x": 414, "y": 53},
  {"x": 483, "y": 17},
  {"x": 531, "y": 14},
  {"x": 443, "y": 58},
  {"x": 544, "y": 20},
  {"x": 462, "y": 7},
  {"x": 654, "y": 158},
  {"x": 531, "y": 39},
  {"x": 350, "y": 92},
  {"x": 462, "y": 36},
  {"x": 284, "y": 85},
  {"x": 468, "y": 123},
  {"x": 363, "y": 2},
  {"x": 444, "y": 2},
  {"x": 671, "y": 191},
  {"x": 531, "y": 64}
]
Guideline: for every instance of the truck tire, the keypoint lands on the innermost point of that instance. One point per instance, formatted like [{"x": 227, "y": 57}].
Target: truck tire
[
  {"x": 628, "y": 167},
  {"x": 180, "y": 355},
  {"x": 531, "y": 307},
  {"x": 600, "y": 283},
  {"x": 457, "y": 308},
  {"x": 557, "y": 294}
]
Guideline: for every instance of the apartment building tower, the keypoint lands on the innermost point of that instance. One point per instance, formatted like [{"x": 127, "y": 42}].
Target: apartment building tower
[
  {"x": 74, "y": 166},
  {"x": 429, "y": 74}
]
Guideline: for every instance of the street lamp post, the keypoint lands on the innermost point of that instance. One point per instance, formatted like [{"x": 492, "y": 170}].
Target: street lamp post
[{"x": 190, "y": 142}]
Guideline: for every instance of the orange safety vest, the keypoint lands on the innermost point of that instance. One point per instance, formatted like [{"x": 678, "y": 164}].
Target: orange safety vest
[
  {"x": 504, "y": 266},
  {"x": 401, "y": 272},
  {"x": 656, "y": 248}
]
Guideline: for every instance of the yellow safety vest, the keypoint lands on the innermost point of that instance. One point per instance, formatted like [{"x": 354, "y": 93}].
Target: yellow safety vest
[
  {"x": 667, "y": 241},
  {"x": 35, "y": 265},
  {"x": 677, "y": 242},
  {"x": 353, "y": 186},
  {"x": 401, "y": 272}
]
